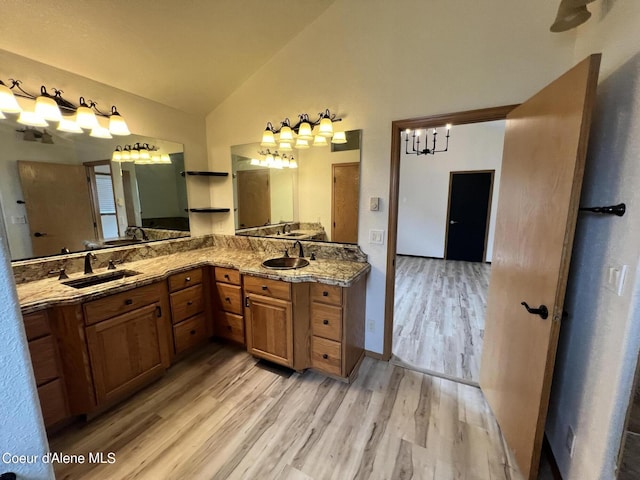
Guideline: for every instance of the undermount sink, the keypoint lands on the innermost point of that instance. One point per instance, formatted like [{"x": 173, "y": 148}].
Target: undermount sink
[
  {"x": 294, "y": 234},
  {"x": 121, "y": 241},
  {"x": 100, "y": 278},
  {"x": 285, "y": 263}
]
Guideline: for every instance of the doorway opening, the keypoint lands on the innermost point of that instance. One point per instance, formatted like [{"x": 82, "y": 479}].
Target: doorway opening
[{"x": 445, "y": 226}]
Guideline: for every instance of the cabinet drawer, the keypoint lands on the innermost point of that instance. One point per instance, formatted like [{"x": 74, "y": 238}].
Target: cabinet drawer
[
  {"x": 229, "y": 298},
  {"x": 185, "y": 279},
  {"x": 186, "y": 303},
  {"x": 326, "y": 355},
  {"x": 326, "y": 321},
  {"x": 230, "y": 326},
  {"x": 43, "y": 359},
  {"x": 227, "y": 275},
  {"x": 52, "y": 402},
  {"x": 326, "y": 294},
  {"x": 120, "y": 303},
  {"x": 37, "y": 324},
  {"x": 267, "y": 287},
  {"x": 190, "y": 333}
]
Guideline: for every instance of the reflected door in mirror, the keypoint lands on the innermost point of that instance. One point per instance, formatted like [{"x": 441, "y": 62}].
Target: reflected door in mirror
[
  {"x": 254, "y": 198},
  {"x": 58, "y": 206},
  {"x": 346, "y": 189}
]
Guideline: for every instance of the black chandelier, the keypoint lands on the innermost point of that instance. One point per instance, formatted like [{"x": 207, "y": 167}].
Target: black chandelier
[{"x": 416, "y": 149}]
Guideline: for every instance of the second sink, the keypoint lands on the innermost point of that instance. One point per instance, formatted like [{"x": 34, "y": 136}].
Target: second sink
[{"x": 285, "y": 263}]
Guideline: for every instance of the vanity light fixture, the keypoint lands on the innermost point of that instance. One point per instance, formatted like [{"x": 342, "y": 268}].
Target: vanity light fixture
[
  {"x": 303, "y": 132},
  {"x": 54, "y": 108},
  {"x": 415, "y": 144},
  {"x": 140, "y": 154},
  {"x": 275, "y": 160}
]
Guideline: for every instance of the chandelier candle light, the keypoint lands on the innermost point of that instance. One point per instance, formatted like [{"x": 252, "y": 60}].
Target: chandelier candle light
[
  {"x": 53, "y": 108},
  {"x": 415, "y": 144}
]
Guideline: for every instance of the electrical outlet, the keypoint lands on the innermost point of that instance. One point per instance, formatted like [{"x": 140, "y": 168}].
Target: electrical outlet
[
  {"x": 570, "y": 441},
  {"x": 371, "y": 325},
  {"x": 615, "y": 276},
  {"x": 19, "y": 219}
]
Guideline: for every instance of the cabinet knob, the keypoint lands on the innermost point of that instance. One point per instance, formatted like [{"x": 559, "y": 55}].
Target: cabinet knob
[
  {"x": 192, "y": 332},
  {"x": 227, "y": 299},
  {"x": 325, "y": 356},
  {"x": 325, "y": 294},
  {"x": 226, "y": 276},
  {"x": 128, "y": 301},
  {"x": 188, "y": 279},
  {"x": 264, "y": 287},
  {"x": 189, "y": 303},
  {"x": 325, "y": 322}
]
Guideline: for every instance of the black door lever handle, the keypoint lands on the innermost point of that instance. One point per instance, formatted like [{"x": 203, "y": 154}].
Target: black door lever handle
[{"x": 542, "y": 310}]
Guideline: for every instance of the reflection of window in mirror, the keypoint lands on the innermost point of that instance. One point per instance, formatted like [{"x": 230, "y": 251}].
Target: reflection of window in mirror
[{"x": 103, "y": 200}]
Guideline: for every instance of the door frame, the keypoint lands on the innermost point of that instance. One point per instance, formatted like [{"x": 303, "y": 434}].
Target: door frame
[
  {"x": 397, "y": 127},
  {"x": 333, "y": 193},
  {"x": 486, "y": 228}
]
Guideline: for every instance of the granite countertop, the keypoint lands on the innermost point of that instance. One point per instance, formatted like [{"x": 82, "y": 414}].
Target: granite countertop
[{"x": 40, "y": 294}]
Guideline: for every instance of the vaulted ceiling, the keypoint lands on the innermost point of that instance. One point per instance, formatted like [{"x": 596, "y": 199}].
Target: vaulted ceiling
[{"x": 188, "y": 54}]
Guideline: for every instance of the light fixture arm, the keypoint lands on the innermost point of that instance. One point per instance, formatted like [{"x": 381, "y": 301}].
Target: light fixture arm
[{"x": 415, "y": 144}]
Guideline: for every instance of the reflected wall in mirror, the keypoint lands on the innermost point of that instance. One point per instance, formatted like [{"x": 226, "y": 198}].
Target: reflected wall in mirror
[
  {"x": 318, "y": 200},
  {"x": 60, "y": 191}
]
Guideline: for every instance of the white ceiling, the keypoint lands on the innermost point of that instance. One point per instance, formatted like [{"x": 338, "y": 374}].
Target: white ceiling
[{"x": 188, "y": 54}]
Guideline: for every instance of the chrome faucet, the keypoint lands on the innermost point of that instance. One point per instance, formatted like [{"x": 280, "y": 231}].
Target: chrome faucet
[
  {"x": 87, "y": 262},
  {"x": 144, "y": 235},
  {"x": 284, "y": 228},
  {"x": 300, "y": 251}
]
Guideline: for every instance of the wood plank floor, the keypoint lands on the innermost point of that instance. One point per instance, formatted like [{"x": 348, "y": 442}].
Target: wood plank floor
[
  {"x": 439, "y": 315},
  {"x": 217, "y": 415}
]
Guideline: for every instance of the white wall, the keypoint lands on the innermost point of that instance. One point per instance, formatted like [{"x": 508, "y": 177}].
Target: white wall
[
  {"x": 382, "y": 61},
  {"x": 22, "y": 430},
  {"x": 424, "y": 186},
  {"x": 315, "y": 183},
  {"x": 600, "y": 339}
]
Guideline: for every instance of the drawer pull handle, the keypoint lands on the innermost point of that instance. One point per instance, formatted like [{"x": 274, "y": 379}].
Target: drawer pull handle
[
  {"x": 325, "y": 294},
  {"x": 192, "y": 332},
  {"x": 325, "y": 322},
  {"x": 226, "y": 276},
  {"x": 188, "y": 279},
  {"x": 128, "y": 301},
  {"x": 189, "y": 303},
  {"x": 264, "y": 287},
  {"x": 227, "y": 299},
  {"x": 325, "y": 356}
]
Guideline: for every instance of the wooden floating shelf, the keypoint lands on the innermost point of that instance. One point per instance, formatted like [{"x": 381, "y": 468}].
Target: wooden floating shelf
[
  {"x": 208, "y": 210},
  {"x": 204, "y": 174}
]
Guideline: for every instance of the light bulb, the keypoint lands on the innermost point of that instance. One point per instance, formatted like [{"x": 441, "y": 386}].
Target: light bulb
[
  {"x": 304, "y": 131},
  {"x": 286, "y": 134},
  {"x": 302, "y": 144},
  {"x": 326, "y": 127},
  {"x": 285, "y": 147},
  {"x": 319, "y": 141},
  {"x": 69, "y": 125},
  {"x": 117, "y": 125},
  {"x": 32, "y": 119},
  {"x": 100, "y": 132},
  {"x": 293, "y": 163},
  {"x": 86, "y": 119},
  {"x": 8, "y": 102},
  {"x": 339, "y": 138},
  {"x": 268, "y": 139},
  {"x": 47, "y": 108}
]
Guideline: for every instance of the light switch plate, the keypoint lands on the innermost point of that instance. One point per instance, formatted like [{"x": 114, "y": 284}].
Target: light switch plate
[
  {"x": 376, "y": 237},
  {"x": 615, "y": 278},
  {"x": 374, "y": 204}
]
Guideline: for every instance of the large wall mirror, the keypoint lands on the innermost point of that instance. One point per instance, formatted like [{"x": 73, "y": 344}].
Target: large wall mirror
[
  {"x": 61, "y": 192},
  {"x": 316, "y": 200}
]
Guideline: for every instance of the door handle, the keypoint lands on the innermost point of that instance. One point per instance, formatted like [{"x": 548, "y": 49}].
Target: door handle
[
  {"x": 453, "y": 222},
  {"x": 39, "y": 234},
  {"x": 542, "y": 310}
]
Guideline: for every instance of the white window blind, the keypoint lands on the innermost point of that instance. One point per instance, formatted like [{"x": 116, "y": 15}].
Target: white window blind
[{"x": 104, "y": 185}]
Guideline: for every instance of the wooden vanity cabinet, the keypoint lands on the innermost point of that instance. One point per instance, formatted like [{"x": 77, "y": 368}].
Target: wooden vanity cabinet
[
  {"x": 276, "y": 318},
  {"x": 189, "y": 309},
  {"x": 47, "y": 368},
  {"x": 337, "y": 327},
  {"x": 229, "y": 320},
  {"x": 129, "y": 348}
]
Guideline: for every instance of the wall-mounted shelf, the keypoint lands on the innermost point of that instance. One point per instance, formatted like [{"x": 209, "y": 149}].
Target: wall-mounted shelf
[
  {"x": 207, "y": 210},
  {"x": 204, "y": 174}
]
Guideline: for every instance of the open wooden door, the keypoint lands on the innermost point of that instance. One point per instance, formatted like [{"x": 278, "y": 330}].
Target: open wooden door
[
  {"x": 58, "y": 205},
  {"x": 542, "y": 168},
  {"x": 254, "y": 198}
]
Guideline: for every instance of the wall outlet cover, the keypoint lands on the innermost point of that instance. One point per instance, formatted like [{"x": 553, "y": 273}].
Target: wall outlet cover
[{"x": 376, "y": 237}]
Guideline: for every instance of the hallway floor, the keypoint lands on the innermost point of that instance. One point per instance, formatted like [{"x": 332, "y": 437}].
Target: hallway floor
[{"x": 439, "y": 315}]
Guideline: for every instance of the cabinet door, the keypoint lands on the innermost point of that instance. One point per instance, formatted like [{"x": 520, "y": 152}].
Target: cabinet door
[
  {"x": 125, "y": 352},
  {"x": 269, "y": 329}
]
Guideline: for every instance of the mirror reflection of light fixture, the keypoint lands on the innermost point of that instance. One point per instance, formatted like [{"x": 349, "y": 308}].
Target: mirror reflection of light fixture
[
  {"x": 275, "y": 160},
  {"x": 52, "y": 107},
  {"x": 415, "y": 145},
  {"x": 302, "y": 132},
  {"x": 571, "y": 13},
  {"x": 141, "y": 154}
]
